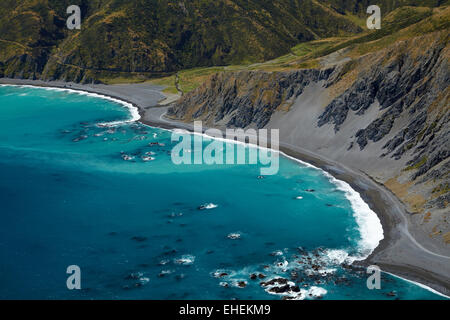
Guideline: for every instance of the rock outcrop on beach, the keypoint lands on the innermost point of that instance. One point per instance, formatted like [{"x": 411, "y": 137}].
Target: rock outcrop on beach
[{"x": 385, "y": 113}]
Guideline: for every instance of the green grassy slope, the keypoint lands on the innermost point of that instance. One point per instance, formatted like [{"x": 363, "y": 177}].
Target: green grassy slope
[
  {"x": 141, "y": 39},
  {"x": 400, "y": 24}
]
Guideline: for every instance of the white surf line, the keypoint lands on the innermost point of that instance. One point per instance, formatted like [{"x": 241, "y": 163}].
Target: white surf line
[
  {"x": 404, "y": 227},
  {"x": 369, "y": 224},
  {"x": 419, "y": 285},
  {"x": 134, "y": 111}
]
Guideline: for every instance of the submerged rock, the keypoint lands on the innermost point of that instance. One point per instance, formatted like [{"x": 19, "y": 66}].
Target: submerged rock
[
  {"x": 234, "y": 236},
  {"x": 207, "y": 206},
  {"x": 220, "y": 274},
  {"x": 276, "y": 281},
  {"x": 80, "y": 138},
  {"x": 134, "y": 276},
  {"x": 185, "y": 260},
  {"x": 391, "y": 294},
  {"x": 139, "y": 238}
]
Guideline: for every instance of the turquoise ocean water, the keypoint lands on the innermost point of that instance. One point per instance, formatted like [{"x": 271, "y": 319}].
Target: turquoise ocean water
[{"x": 134, "y": 227}]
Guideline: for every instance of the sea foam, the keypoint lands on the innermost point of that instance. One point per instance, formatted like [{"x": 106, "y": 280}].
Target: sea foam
[
  {"x": 369, "y": 224},
  {"x": 134, "y": 111}
]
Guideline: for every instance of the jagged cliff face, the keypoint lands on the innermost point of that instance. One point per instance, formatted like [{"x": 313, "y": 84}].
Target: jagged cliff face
[
  {"x": 386, "y": 113},
  {"x": 246, "y": 98},
  {"x": 410, "y": 83}
]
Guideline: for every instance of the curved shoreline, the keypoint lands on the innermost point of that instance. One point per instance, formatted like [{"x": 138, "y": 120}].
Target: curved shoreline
[
  {"x": 379, "y": 199},
  {"x": 134, "y": 110},
  {"x": 388, "y": 208}
]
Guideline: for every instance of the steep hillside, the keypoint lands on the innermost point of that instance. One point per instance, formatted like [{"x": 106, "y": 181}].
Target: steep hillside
[
  {"x": 148, "y": 38},
  {"x": 402, "y": 23}
]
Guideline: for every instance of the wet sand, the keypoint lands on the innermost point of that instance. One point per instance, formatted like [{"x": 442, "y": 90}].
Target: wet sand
[{"x": 398, "y": 253}]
